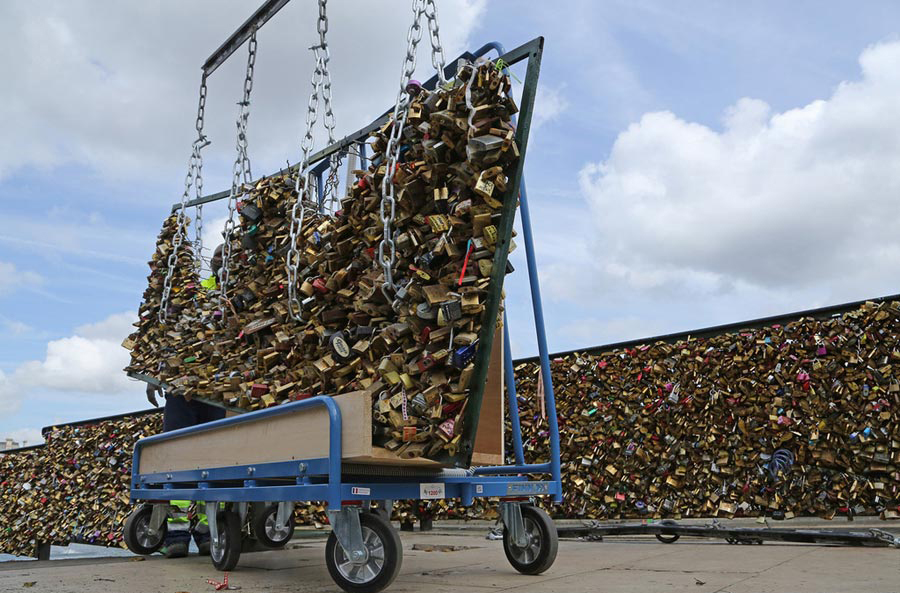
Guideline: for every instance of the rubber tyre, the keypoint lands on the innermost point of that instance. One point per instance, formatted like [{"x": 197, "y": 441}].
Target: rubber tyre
[
  {"x": 537, "y": 523},
  {"x": 381, "y": 529},
  {"x": 137, "y": 521},
  {"x": 667, "y": 539},
  {"x": 229, "y": 525},
  {"x": 261, "y": 533}
]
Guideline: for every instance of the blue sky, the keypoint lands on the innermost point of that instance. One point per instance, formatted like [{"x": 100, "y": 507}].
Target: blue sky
[{"x": 689, "y": 165}]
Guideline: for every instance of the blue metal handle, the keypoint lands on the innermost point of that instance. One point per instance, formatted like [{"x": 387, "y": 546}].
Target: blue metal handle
[{"x": 335, "y": 428}]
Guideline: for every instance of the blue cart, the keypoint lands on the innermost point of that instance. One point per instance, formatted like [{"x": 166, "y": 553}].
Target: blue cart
[{"x": 363, "y": 552}]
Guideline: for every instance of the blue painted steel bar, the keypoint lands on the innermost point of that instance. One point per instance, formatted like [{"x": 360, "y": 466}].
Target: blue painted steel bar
[
  {"x": 334, "y": 438},
  {"x": 351, "y": 491},
  {"x": 528, "y": 468},
  {"x": 547, "y": 378},
  {"x": 514, "y": 420},
  {"x": 279, "y": 469}
]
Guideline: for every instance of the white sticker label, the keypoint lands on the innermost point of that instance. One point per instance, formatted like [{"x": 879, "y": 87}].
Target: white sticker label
[
  {"x": 361, "y": 491},
  {"x": 479, "y": 489},
  {"x": 431, "y": 491}
]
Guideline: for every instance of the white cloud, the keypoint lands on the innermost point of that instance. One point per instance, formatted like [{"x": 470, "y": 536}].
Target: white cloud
[
  {"x": 9, "y": 399},
  {"x": 12, "y": 278},
  {"x": 26, "y": 436},
  {"x": 776, "y": 201},
  {"x": 549, "y": 104},
  {"x": 116, "y": 90},
  {"x": 90, "y": 361}
]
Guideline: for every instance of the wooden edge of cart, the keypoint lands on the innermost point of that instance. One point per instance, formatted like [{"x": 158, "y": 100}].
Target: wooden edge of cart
[{"x": 304, "y": 435}]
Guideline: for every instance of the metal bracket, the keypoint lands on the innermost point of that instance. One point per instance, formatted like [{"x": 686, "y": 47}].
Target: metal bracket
[
  {"x": 212, "y": 517},
  {"x": 158, "y": 516},
  {"x": 511, "y": 515},
  {"x": 283, "y": 515},
  {"x": 347, "y": 529},
  {"x": 242, "y": 509},
  {"x": 385, "y": 507}
]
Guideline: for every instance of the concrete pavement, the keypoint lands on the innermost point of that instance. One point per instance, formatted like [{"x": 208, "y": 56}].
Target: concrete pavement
[{"x": 617, "y": 565}]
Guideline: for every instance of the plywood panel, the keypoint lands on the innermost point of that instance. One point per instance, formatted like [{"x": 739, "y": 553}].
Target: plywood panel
[
  {"x": 489, "y": 439},
  {"x": 299, "y": 435}
]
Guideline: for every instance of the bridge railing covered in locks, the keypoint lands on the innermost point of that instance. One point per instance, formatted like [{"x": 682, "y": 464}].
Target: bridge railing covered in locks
[{"x": 685, "y": 424}]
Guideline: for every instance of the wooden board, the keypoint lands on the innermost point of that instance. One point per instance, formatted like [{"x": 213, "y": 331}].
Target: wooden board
[
  {"x": 489, "y": 440},
  {"x": 303, "y": 434}
]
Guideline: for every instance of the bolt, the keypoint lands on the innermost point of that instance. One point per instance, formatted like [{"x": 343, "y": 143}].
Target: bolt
[
  {"x": 250, "y": 470},
  {"x": 302, "y": 468},
  {"x": 204, "y": 474}
]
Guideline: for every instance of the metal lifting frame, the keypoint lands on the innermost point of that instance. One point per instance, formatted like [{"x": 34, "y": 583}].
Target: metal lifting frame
[{"x": 321, "y": 479}]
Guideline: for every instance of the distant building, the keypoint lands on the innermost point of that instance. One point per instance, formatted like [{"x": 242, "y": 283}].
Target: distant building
[{"x": 10, "y": 444}]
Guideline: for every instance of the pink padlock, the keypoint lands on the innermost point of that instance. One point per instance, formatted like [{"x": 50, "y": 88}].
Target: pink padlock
[
  {"x": 821, "y": 351},
  {"x": 802, "y": 377}
]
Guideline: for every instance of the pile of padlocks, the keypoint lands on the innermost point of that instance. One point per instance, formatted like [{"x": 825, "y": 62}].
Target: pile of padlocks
[
  {"x": 802, "y": 418},
  {"x": 415, "y": 351},
  {"x": 75, "y": 488}
]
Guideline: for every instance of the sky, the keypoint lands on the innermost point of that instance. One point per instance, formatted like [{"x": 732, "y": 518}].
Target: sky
[{"x": 688, "y": 166}]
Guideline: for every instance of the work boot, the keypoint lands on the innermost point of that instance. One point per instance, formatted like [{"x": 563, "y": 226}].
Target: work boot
[
  {"x": 203, "y": 548},
  {"x": 175, "y": 550}
]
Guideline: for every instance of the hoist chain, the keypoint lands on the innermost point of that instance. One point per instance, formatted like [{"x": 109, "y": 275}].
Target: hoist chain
[
  {"x": 194, "y": 177},
  {"x": 305, "y": 202},
  {"x": 241, "y": 174},
  {"x": 401, "y": 111},
  {"x": 437, "y": 52},
  {"x": 198, "y": 183}
]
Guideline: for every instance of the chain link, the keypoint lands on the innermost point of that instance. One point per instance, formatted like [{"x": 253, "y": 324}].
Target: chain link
[
  {"x": 437, "y": 52},
  {"x": 305, "y": 203},
  {"x": 198, "y": 183},
  {"x": 401, "y": 110},
  {"x": 194, "y": 177},
  {"x": 241, "y": 174}
]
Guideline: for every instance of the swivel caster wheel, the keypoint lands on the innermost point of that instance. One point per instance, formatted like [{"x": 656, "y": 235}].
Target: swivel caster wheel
[
  {"x": 138, "y": 535},
  {"x": 226, "y": 552},
  {"x": 266, "y": 530},
  {"x": 539, "y": 552},
  {"x": 379, "y": 568}
]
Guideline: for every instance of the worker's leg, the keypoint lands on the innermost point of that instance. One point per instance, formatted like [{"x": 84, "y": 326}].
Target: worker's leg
[
  {"x": 200, "y": 530},
  {"x": 178, "y": 530},
  {"x": 205, "y": 412},
  {"x": 178, "y": 413}
]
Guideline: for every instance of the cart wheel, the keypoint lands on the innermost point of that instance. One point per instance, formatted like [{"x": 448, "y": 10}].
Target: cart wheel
[
  {"x": 543, "y": 541},
  {"x": 384, "y": 557},
  {"x": 667, "y": 539},
  {"x": 225, "y": 556},
  {"x": 137, "y": 532},
  {"x": 265, "y": 531}
]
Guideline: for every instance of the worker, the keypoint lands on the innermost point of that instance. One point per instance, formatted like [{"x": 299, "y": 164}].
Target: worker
[{"x": 180, "y": 412}]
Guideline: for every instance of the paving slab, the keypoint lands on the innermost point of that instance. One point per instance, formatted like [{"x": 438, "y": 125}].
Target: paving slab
[{"x": 635, "y": 565}]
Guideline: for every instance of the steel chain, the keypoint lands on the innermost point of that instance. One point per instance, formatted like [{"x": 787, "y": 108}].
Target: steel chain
[
  {"x": 392, "y": 150},
  {"x": 198, "y": 183},
  {"x": 194, "y": 177},
  {"x": 437, "y": 52},
  {"x": 241, "y": 174},
  {"x": 305, "y": 203}
]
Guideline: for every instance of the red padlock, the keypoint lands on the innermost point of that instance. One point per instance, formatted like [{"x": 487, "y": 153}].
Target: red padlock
[{"x": 319, "y": 285}]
